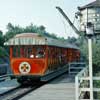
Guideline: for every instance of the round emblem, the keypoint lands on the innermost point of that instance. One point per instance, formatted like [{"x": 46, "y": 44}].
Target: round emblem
[{"x": 24, "y": 67}]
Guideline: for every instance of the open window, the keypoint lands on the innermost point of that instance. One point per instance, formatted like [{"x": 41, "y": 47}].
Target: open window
[{"x": 28, "y": 51}]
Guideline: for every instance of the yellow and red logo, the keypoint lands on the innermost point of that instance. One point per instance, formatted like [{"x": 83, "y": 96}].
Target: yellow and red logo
[{"x": 24, "y": 68}]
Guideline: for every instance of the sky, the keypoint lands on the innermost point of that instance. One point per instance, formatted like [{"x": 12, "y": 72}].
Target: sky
[{"x": 40, "y": 12}]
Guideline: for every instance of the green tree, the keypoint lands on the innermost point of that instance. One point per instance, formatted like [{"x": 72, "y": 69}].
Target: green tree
[
  {"x": 3, "y": 53},
  {"x": 71, "y": 40},
  {"x": 1, "y": 38},
  {"x": 52, "y": 35},
  {"x": 30, "y": 29},
  {"x": 96, "y": 57},
  {"x": 13, "y": 30}
]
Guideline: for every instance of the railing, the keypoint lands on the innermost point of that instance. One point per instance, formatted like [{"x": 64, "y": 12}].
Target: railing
[
  {"x": 76, "y": 67},
  {"x": 82, "y": 85},
  {"x": 4, "y": 77}
]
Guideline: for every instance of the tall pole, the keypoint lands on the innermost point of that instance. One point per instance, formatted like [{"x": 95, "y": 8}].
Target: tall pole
[{"x": 90, "y": 67}]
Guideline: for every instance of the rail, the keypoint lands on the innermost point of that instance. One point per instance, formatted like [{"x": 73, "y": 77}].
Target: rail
[
  {"x": 75, "y": 67},
  {"x": 5, "y": 77},
  {"x": 82, "y": 88}
]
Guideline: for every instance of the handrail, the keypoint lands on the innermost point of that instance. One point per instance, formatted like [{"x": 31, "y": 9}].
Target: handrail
[
  {"x": 75, "y": 67},
  {"x": 82, "y": 84}
]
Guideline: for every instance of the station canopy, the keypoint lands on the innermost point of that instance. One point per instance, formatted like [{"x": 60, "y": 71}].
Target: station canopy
[{"x": 37, "y": 39}]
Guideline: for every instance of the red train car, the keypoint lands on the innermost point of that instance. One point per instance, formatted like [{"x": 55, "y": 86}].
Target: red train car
[{"x": 33, "y": 57}]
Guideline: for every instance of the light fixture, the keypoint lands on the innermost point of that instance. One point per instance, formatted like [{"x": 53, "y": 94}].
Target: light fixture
[{"x": 89, "y": 29}]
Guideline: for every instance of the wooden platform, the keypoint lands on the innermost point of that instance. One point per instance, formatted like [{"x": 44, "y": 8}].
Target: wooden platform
[{"x": 62, "y": 88}]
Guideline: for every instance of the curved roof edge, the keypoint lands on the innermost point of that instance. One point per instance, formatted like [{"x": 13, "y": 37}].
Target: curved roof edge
[{"x": 36, "y": 39}]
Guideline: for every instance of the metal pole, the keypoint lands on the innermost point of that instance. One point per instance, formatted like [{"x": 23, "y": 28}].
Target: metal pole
[
  {"x": 90, "y": 67},
  {"x": 76, "y": 88}
]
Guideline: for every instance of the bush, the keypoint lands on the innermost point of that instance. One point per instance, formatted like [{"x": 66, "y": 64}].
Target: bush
[{"x": 3, "y": 53}]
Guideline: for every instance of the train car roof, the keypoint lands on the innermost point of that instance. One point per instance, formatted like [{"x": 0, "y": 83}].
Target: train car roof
[{"x": 36, "y": 39}]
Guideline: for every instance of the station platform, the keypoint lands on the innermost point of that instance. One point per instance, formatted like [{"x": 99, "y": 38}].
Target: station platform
[{"x": 62, "y": 88}]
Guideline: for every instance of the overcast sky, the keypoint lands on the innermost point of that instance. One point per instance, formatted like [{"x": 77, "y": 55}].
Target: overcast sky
[{"x": 40, "y": 12}]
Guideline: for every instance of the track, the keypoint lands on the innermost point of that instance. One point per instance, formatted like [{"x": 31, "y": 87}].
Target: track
[
  {"x": 9, "y": 91},
  {"x": 3, "y": 77},
  {"x": 61, "y": 88},
  {"x": 18, "y": 92}
]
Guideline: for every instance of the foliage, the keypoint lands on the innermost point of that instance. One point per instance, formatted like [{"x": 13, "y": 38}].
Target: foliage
[
  {"x": 3, "y": 53},
  {"x": 1, "y": 38},
  {"x": 71, "y": 40},
  {"x": 96, "y": 57},
  {"x": 82, "y": 43},
  {"x": 53, "y": 36},
  {"x": 13, "y": 30}
]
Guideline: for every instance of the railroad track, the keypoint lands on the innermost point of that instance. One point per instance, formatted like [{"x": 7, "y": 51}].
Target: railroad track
[
  {"x": 4, "y": 77},
  {"x": 8, "y": 91},
  {"x": 18, "y": 92}
]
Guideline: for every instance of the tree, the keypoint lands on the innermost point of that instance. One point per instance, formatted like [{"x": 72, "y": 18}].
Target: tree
[
  {"x": 3, "y": 52},
  {"x": 96, "y": 57},
  {"x": 71, "y": 40},
  {"x": 1, "y": 38},
  {"x": 82, "y": 43},
  {"x": 13, "y": 30},
  {"x": 10, "y": 27}
]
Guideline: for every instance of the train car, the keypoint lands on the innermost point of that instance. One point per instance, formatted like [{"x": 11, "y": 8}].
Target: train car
[{"x": 35, "y": 57}]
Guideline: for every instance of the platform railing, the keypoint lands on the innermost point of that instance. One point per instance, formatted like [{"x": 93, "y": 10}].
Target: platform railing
[
  {"x": 82, "y": 83},
  {"x": 82, "y": 88},
  {"x": 75, "y": 67}
]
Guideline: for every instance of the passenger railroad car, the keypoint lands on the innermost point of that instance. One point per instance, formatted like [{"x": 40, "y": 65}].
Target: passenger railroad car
[{"x": 33, "y": 57}]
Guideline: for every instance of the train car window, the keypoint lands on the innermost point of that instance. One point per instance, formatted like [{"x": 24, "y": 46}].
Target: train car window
[
  {"x": 30, "y": 52},
  {"x": 16, "y": 51},
  {"x": 40, "y": 52},
  {"x": 22, "y": 52}
]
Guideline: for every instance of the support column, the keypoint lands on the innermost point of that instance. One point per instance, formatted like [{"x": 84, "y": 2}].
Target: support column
[{"x": 90, "y": 67}]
